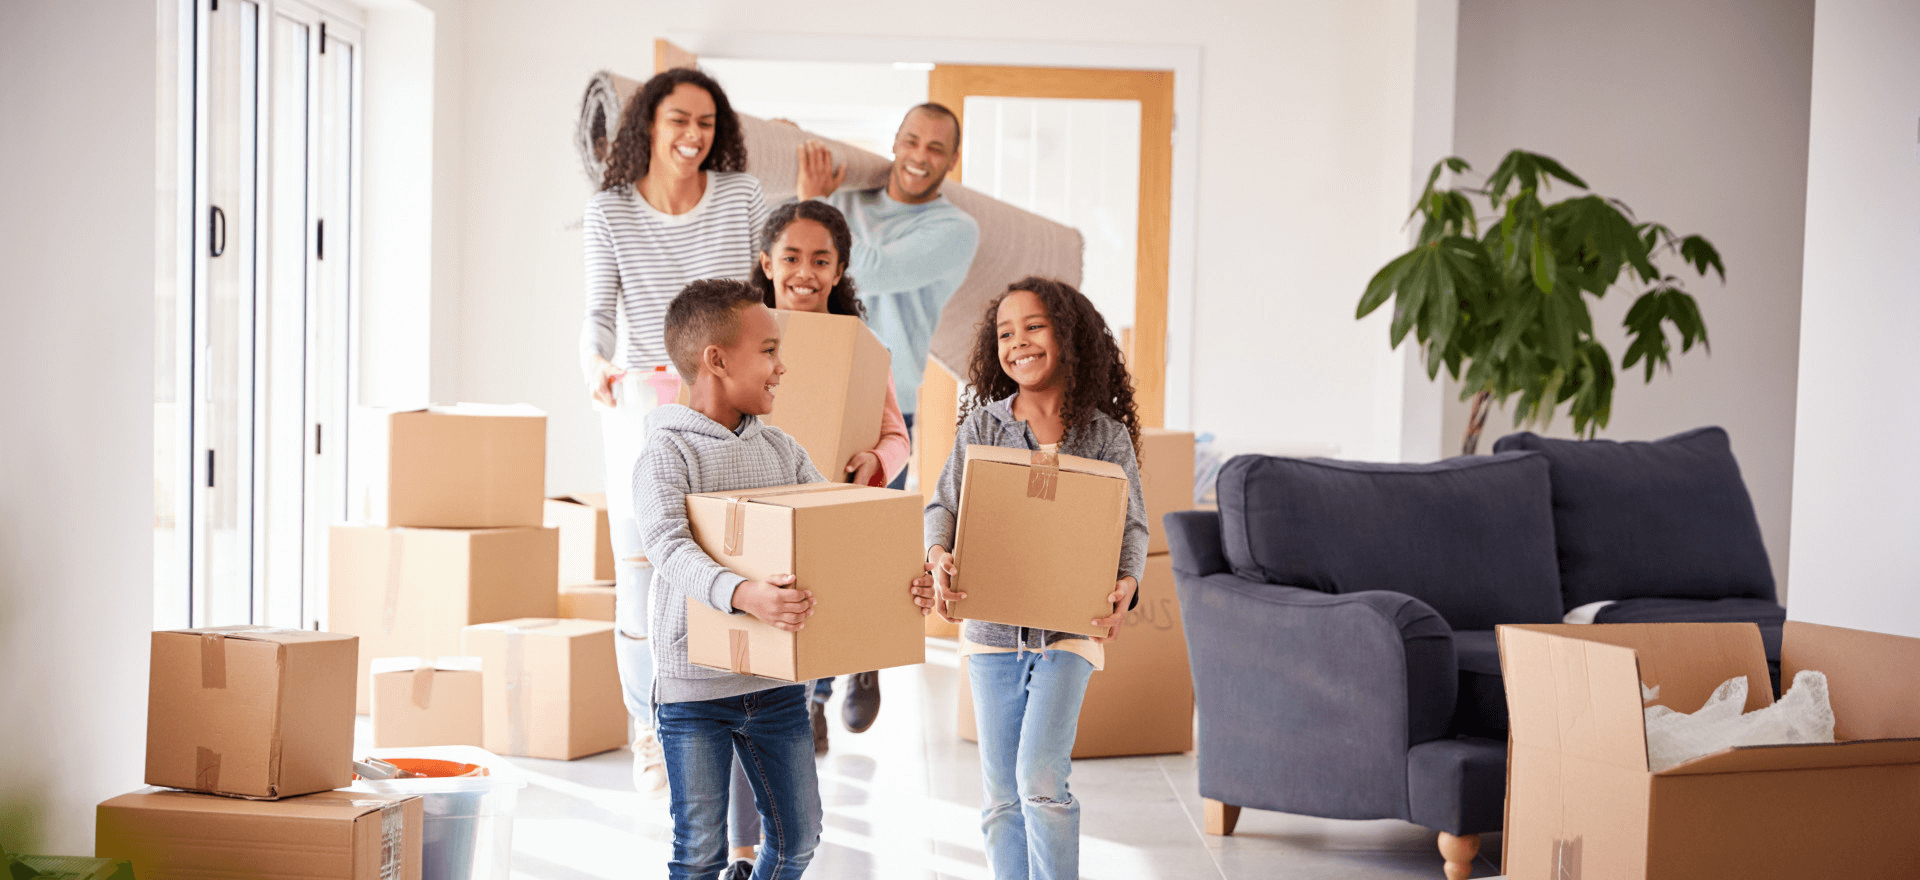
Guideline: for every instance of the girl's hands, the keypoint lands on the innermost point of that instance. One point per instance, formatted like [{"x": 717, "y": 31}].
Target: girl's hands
[
  {"x": 601, "y": 374},
  {"x": 1121, "y": 597},
  {"x": 818, "y": 178},
  {"x": 922, "y": 590},
  {"x": 863, "y": 465},
  {"x": 773, "y": 603},
  {"x": 943, "y": 569}
]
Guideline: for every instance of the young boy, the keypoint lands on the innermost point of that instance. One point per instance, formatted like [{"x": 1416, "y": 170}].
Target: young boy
[{"x": 726, "y": 346}]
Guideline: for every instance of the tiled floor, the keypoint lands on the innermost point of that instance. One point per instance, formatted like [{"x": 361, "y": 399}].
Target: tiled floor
[{"x": 902, "y": 801}]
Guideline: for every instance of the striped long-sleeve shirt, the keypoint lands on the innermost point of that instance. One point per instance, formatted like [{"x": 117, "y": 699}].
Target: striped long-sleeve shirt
[{"x": 638, "y": 259}]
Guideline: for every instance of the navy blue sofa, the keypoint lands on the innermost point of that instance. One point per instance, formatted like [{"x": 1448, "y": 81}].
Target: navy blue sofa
[{"x": 1340, "y": 615}]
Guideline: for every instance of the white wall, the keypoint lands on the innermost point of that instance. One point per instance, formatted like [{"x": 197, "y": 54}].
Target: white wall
[
  {"x": 77, "y": 128},
  {"x": 1304, "y": 136},
  {"x": 1694, "y": 114},
  {"x": 1856, "y": 489}
]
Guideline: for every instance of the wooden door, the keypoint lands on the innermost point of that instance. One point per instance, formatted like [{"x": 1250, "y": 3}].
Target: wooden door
[{"x": 951, "y": 85}]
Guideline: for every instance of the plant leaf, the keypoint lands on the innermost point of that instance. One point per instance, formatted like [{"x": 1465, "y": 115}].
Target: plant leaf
[{"x": 1543, "y": 265}]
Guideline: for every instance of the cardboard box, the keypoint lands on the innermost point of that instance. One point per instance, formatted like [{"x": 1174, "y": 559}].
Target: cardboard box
[
  {"x": 1142, "y": 702},
  {"x": 410, "y": 592},
  {"x": 857, "y": 548},
  {"x": 587, "y": 602},
  {"x": 1166, "y": 479},
  {"x": 336, "y": 835},
  {"x": 1580, "y": 799},
  {"x": 552, "y": 689},
  {"x": 1038, "y": 540},
  {"x": 586, "y": 548},
  {"x": 250, "y": 711},
  {"x": 463, "y": 466},
  {"x": 419, "y": 701},
  {"x": 935, "y": 424}
]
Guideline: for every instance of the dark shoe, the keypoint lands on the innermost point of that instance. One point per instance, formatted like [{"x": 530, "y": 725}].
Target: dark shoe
[
  {"x": 740, "y": 870},
  {"x": 862, "y": 703},
  {"x": 817, "y": 712}
]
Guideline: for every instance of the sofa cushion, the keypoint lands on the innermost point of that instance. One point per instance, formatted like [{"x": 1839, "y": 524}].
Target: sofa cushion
[
  {"x": 1470, "y": 536},
  {"x": 1669, "y": 518},
  {"x": 1481, "y": 709}
]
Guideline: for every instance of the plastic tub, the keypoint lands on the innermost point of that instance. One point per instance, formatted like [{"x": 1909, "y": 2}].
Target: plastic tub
[{"x": 469, "y": 818}]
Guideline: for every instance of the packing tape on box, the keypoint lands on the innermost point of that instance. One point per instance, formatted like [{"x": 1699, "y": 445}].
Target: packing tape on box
[
  {"x": 213, "y": 660},
  {"x": 735, "y": 541},
  {"x": 739, "y": 652},
  {"x": 393, "y": 837},
  {"x": 1043, "y": 477},
  {"x": 423, "y": 684},
  {"x": 519, "y": 689}
]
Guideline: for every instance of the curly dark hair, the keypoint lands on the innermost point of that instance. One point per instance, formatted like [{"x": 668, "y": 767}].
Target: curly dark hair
[
  {"x": 844, "y": 298},
  {"x": 1096, "y": 377},
  {"x": 633, "y": 146}
]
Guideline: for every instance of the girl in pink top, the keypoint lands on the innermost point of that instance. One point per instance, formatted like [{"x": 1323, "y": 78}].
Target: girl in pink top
[{"x": 802, "y": 267}]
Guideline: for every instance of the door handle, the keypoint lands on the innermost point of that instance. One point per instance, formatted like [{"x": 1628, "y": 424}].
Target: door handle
[{"x": 216, "y": 232}]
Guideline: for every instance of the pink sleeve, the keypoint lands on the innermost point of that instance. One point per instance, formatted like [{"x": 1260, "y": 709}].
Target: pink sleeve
[{"x": 893, "y": 448}]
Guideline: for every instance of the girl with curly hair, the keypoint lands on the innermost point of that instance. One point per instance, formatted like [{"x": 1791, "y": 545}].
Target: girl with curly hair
[
  {"x": 1047, "y": 376},
  {"x": 675, "y": 205}
]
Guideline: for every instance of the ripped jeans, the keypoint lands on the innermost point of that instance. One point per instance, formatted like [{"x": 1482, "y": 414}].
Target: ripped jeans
[{"x": 1027, "y": 711}]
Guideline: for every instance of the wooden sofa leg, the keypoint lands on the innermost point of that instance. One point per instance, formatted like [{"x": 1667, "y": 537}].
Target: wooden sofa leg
[
  {"x": 1459, "y": 853},
  {"x": 1221, "y": 817}
]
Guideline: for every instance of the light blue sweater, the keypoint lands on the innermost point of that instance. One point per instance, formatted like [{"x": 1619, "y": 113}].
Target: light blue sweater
[{"x": 907, "y": 260}]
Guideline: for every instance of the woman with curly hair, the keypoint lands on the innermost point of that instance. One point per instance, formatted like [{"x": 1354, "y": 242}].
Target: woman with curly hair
[
  {"x": 675, "y": 205},
  {"x": 1046, "y": 376}
]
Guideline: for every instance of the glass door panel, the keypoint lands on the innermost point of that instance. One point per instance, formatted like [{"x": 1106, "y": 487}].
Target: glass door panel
[{"x": 285, "y": 440}]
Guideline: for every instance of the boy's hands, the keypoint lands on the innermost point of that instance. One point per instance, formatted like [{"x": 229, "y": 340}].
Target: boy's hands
[
  {"x": 773, "y": 603},
  {"x": 863, "y": 465},
  {"x": 1121, "y": 597},
  {"x": 941, "y": 564}
]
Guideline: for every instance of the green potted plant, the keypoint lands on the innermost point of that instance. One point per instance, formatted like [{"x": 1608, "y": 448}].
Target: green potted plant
[{"x": 1505, "y": 309}]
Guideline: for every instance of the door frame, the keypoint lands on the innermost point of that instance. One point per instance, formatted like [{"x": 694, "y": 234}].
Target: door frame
[{"x": 1184, "y": 61}]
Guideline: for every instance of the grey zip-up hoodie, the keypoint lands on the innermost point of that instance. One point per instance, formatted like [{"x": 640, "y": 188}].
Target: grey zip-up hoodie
[
  {"x": 995, "y": 425},
  {"x": 688, "y": 453}
]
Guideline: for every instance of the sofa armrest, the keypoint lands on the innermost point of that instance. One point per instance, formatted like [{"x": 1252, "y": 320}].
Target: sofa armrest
[
  {"x": 1309, "y": 701},
  {"x": 1193, "y": 537}
]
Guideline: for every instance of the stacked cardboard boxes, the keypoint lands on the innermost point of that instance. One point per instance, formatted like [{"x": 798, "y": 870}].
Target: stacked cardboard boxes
[
  {"x": 453, "y": 506},
  {"x": 249, "y": 729},
  {"x": 586, "y": 542},
  {"x": 1142, "y": 702}
]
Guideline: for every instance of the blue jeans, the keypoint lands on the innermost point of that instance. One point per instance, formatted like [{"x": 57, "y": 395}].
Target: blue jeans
[
  {"x": 770, "y": 734},
  {"x": 1027, "y": 711}
]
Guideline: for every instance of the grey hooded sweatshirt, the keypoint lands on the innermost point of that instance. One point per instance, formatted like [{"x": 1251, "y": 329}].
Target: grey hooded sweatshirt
[
  {"x": 688, "y": 453},
  {"x": 995, "y": 425}
]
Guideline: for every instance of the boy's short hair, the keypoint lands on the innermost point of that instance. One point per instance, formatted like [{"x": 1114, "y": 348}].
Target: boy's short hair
[{"x": 706, "y": 312}]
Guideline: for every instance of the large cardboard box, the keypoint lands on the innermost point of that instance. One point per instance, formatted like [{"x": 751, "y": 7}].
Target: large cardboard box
[
  {"x": 251, "y": 711},
  {"x": 1038, "y": 540},
  {"x": 1581, "y": 801},
  {"x": 463, "y": 466},
  {"x": 552, "y": 687},
  {"x": 410, "y": 592},
  {"x": 587, "y": 601},
  {"x": 586, "y": 546},
  {"x": 332, "y": 835},
  {"x": 857, "y": 548},
  {"x": 423, "y": 701},
  {"x": 1142, "y": 702},
  {"x": 1166, "y": 479}
]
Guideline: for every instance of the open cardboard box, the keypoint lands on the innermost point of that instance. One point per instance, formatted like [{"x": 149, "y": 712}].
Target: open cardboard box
[{"x": 1582, "y": 803}]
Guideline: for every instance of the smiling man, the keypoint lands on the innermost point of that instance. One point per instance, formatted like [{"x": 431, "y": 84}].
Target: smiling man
[{"x": 911, "y": 250}]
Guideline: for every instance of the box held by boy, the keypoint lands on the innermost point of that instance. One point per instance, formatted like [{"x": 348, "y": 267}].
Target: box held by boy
[
  {"x": 1142, "y": 702},
  {"x": 461, "y": 466},
  {"x": 587, "y": 601},
  {"x": 586, "y": 545},
  {"x": 856, "y": 548},
  {"x": 551, "y": 687},
  {"x": 1582, "y": 802},
  {"x": 1038, "y": 539},
  {"x": 336, "y": 835},
  {"x": 411, "y": 592},
  {"x": 250, "y": 711},
  {"x": 422, "y": 701},
  {"x": 1166, "y": 479}
]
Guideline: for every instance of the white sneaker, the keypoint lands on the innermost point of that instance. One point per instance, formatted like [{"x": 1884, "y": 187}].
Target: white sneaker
[{"x": 649, "y": 766}]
